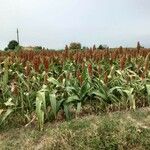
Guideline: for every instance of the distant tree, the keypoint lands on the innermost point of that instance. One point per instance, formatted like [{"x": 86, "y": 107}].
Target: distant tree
[
  {"x": 94, "y": 47},
  {"x": 6, "y": 49},
  {"x": 38, "y": 48},
  {"x": 101, "y": 47},
  {"x": 139, "y": 46},
  {"x": 84, "y": 48},
  {"x": 18, "y": 48},
  {"x": 66, "y": 48},
  {"x": 12, "y": 44},
  {"x": 75, "y": 46}
]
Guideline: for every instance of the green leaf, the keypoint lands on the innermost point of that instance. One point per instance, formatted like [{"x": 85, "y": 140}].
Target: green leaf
[
  {"x": 40, "y": 108},
  {"x": 22, "y": 80},
  {"x": 85, "y": 74},
  {"x": 112, "y": 71},
  {"x": 6, "y": 114},
  {"x": 53, "y": 103},
  {"x": 98, "y": 94},
  {"x": 148, "y": 92},
  {"x": 66, "y": 110},
  {"x": 148, "y": 89},
  {"x": 114, "y": 88},
  {"x": 9, "y": 102},
  {"x": 130, "y": 97},
  {"x": 84, "y": 89},
  {"x": 72, "y": 99},
  {"x": 1, "y": 111},
  {"x": 5, "y": 76},
  {"x": 54, "y": 81}
]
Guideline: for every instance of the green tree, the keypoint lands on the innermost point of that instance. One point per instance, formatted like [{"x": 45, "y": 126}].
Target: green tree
[
  {"x": 6, "y": 49},
  {"x": 75, "y": 46},
  {"x": 12, "y": 44},
  {"x": 38, "y": 48},
  {"x": 101, "y": 47}
]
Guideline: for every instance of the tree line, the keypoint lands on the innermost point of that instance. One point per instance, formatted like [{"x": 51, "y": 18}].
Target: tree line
[{"x": 14, "y": 45}]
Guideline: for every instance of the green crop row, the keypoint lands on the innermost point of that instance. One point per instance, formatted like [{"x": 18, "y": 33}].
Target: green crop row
[{"x": 60, "y": 85}]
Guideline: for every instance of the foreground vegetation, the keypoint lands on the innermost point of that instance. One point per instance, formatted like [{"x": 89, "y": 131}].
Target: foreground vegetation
[
  {"x": 113, "y": 131},
  {"x": 48, "y": 86}
]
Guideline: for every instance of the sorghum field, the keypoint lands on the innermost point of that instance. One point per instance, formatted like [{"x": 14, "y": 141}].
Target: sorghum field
[{"x": 47, "y": 86}]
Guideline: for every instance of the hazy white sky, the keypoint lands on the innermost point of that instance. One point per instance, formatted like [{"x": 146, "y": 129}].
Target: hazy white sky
[{"x": 54, "y": 23}]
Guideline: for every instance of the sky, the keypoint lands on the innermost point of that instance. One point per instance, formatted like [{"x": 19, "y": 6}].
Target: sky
[{"x": 55, "y": 23}]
